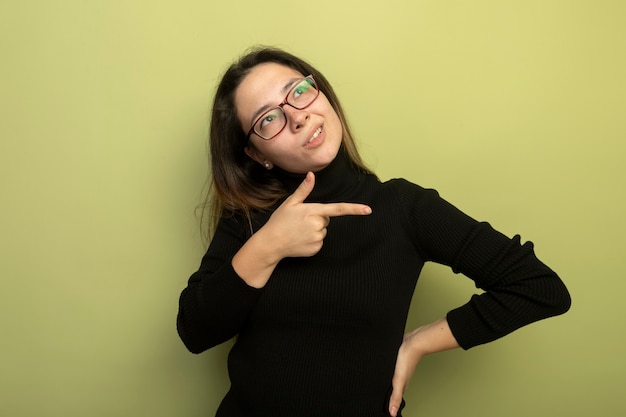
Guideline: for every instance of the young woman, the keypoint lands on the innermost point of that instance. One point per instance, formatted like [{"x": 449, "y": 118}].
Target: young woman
[{"x": 313, "y": 260}]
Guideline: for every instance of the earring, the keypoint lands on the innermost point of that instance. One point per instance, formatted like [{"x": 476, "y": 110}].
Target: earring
[{"x": 267, "y": 165}]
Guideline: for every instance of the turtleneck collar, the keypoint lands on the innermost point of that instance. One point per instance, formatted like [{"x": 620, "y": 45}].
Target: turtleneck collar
[{"x": 332, "y": 184}]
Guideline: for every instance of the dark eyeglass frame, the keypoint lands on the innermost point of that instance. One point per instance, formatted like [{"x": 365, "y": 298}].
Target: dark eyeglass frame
[{"x": 280, "y": 107}]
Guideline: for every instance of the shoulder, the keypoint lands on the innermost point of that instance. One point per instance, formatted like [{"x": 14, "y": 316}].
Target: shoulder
[
  {"x": 422, "y": 205},
  {"x": 241, "y": 226},
  {"x": 231, "y": 226},
  {"x": 409, "y": 201},
  {"x": 408, "y": 192}
]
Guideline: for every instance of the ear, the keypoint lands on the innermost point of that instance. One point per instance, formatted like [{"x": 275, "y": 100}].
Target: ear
[{"x": 257, "y": 156}]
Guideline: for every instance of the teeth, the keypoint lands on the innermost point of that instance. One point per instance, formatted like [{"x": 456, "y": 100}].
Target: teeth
[{"x": 316, "y": 134}]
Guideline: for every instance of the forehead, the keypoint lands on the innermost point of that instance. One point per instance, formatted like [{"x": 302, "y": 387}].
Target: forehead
[{"x": 262, "y": 86}]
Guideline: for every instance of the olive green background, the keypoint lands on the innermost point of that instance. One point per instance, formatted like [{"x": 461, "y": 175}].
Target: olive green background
[{"x": 513, "y": 110}]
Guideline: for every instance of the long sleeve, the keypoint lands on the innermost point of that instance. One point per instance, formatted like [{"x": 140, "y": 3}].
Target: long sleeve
[
  {"x": 216, "y": 300},
  {"x": 308, "y": 333},
  {"x": 518, "y": 288}
]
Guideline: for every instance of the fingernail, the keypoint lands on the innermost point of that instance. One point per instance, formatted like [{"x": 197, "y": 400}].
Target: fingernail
[
  {"x": 367, "y": 210},
  {"x": 394, "y": 411}
]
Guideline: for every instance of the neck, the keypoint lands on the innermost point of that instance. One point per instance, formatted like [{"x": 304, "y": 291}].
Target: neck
[{"x": 331, "y": 183}]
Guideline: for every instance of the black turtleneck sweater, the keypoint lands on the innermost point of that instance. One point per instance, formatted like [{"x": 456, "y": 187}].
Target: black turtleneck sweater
[{"x": 321, "y": 338}]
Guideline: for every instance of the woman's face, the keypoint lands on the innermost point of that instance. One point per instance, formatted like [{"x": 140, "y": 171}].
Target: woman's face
[{"x": 312, "y": 136}]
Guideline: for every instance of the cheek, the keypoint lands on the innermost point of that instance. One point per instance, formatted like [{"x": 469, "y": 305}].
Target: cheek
[
  {"x": 258, "y": 147},
  {"x": 336, "y": 124},
  {"x": 272, "y": 150},
  {"x": 332, "y": 115}
]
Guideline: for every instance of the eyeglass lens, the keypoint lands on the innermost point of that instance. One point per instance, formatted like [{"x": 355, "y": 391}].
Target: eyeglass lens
[{"x": 274, "y": 120}]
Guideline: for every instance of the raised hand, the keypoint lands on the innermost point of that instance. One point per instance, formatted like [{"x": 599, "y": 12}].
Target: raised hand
[{"x": 295, "y": 229}]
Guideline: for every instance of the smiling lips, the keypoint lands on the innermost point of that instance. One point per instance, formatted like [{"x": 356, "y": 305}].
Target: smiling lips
[{"x": 315, "y": 135}]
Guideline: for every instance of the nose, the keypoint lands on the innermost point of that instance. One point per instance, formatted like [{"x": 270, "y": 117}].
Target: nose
[{"x": 296, "y": 119}]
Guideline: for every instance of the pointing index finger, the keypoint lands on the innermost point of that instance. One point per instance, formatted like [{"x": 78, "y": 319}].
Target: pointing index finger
[
  {"x": 305, "y": 188},
  {"x": 343, "y": 209}
]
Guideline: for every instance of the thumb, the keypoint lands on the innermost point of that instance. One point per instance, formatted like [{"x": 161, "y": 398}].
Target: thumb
[
  {"x": 305, "y": 188},
  {"x": 395, "y": 402}
]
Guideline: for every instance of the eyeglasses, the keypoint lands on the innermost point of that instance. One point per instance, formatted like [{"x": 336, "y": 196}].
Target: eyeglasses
[{"x": 273, "y": 121}]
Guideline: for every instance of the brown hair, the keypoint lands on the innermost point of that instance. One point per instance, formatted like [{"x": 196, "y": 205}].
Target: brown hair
[{"x": 238, "y": 184}]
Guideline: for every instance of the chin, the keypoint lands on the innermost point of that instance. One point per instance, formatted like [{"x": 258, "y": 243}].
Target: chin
[{"x": 328, "y": 157}]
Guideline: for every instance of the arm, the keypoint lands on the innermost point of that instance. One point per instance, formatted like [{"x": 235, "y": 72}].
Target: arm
[
  {"x": 518, "y": 288},
  {"x": 220, "y": 296},
  {"x": 216, "y": 300}
]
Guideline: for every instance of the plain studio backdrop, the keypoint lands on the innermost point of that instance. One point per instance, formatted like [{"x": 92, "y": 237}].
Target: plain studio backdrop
[{"x": 513, "y": 110}]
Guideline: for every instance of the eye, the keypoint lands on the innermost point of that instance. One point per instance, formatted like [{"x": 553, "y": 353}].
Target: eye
[
  {"x": 302, "y": 88},
  {"x": 269, "y": 118}
]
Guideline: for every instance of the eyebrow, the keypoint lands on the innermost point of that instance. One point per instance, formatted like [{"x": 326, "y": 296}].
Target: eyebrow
[{"x": 266, "y": 107}]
